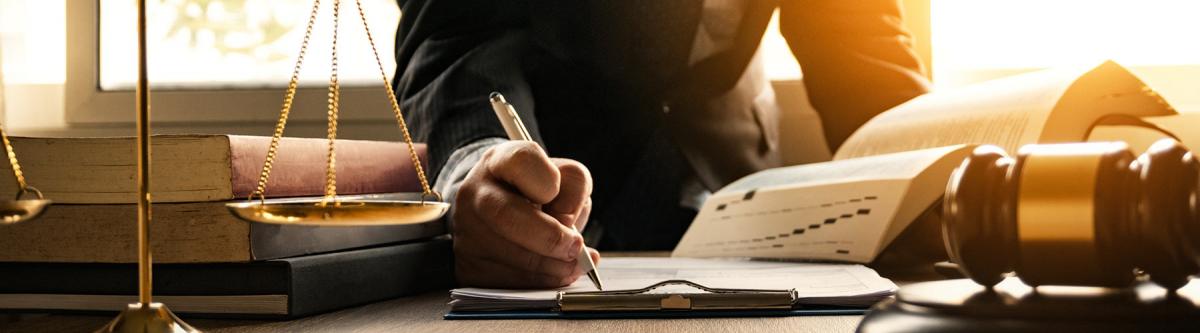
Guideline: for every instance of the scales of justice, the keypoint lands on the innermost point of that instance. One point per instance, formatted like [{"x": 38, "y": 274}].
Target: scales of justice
[{"x": 329, "y": 210}]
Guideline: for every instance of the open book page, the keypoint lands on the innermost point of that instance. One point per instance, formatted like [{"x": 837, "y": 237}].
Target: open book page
[
  {"x": 844, "y": 210},
  {"x": 1048, "y": 106},
  {"x": 1140, "y": 133},
  {"x": 1102, "y": 92},
  {"x": 831, "y": 284},
  {"x": 1185, "y": 126},
  {"x": 1139, "y": 138}
]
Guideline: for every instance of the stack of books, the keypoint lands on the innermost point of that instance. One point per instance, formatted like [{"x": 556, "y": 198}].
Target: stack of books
[{"x": 81, "y": 254}]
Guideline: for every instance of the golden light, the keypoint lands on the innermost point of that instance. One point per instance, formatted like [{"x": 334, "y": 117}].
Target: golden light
[
  {"x": 975, "y": 40},
  {"x": 1046, "y": 33}
]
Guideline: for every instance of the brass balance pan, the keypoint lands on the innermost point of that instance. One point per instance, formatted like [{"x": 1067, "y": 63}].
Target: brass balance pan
[
  {"x": 17, "y": 211},
  {"x": 20, "y": 210},
  {"x": 353, "y": 211}
]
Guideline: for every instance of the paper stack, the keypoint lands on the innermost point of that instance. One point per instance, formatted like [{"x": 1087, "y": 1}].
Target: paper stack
[{"x": 815, "y": 284}]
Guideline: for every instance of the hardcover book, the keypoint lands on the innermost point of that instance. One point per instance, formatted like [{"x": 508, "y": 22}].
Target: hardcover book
[{"x": 276, "y": 288}]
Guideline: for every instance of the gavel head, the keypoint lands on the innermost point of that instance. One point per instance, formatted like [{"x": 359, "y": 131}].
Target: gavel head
[{"x": 1088, "y": 214}]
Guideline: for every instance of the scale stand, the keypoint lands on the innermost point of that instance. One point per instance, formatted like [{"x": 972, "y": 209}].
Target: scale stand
[
  {"x": 963, "y": 306},
  {"x": 146, "y": 315},
  {"x": 330, "y": 210}
]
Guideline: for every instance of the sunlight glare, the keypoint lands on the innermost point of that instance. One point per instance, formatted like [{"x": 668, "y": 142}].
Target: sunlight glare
[{"x": 1046, "y": 33}]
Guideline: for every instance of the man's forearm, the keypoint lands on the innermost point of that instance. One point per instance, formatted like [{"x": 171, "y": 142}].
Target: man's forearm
[{"x": 857, "y": 59}]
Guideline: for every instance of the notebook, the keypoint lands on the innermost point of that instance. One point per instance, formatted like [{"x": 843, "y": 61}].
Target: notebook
[{"x": 814, "y": 284}]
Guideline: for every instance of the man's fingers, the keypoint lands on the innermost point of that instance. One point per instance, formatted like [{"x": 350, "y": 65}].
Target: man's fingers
[
  {"x": 486, "y": 273},
  {"x": 515, "y": 218},
  {"x": 526, "y": 167},
  {"x": 485, "y": 244},
  {"x": 581, "y": 221},
  {"x": 574, "y": 191},
  {"x": 576, "y": 185},
  {"x": 512, "y": 217}
]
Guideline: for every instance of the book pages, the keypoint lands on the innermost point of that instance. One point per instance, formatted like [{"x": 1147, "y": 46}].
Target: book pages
[
  {"x": 1139, "y": 138},
  {"x": 1059, "y": 105},
  {"x": 1184, "y": 125},
  {"x": 881, "y": 179},
  {"x": 842, "y": 210}
]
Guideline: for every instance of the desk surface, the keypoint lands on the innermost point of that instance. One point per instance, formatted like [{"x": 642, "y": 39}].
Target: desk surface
[{"x": 423, "y": 313}]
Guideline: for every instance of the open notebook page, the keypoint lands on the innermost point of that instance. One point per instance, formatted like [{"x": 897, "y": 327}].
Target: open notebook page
[{"x": 825, "y": 284}]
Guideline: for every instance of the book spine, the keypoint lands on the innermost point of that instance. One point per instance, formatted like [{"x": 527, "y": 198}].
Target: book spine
[
  {"x": 202, "y": 232},
  {"x": 299, "y": 167}
]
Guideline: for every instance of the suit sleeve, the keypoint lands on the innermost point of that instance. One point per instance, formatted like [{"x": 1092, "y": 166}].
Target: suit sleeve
[
  {"x": 856, "y": 57},
  {"x": 449, "y": 56}
]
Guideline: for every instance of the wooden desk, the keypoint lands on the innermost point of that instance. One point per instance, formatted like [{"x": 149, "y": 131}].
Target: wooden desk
[{"x": 423, "y": 313}]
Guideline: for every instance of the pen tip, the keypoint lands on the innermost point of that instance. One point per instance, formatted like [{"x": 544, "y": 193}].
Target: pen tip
[{"x": 595, "y": 280}]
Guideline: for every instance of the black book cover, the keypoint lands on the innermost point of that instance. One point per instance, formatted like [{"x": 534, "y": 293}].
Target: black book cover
[{"x": 313, "y": 284}]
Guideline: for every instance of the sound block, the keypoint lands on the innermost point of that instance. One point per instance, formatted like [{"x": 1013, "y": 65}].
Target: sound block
[{"x": 963, "y": 306}]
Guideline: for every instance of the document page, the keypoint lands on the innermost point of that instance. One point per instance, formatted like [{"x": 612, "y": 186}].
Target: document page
[{"x": 824, "y": 284}]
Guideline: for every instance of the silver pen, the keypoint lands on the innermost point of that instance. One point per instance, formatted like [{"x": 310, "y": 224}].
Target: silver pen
[{"x": 516, "y": 131}]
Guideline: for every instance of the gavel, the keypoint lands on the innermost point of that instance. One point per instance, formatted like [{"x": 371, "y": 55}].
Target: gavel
[{"x": 1084, "y": 214}]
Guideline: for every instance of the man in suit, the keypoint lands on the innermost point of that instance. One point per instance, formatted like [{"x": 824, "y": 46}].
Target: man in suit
[{"x": 640, "y": 109}]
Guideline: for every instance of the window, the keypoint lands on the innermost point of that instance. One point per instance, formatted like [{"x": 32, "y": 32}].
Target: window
[
  {"x": 31, "y": 42},
  {"x": 238, "y": 57},
  {"x": 223, "y": 61},
  {"x": 242, "y": 43},
  {"x": 976, "y": 40}
]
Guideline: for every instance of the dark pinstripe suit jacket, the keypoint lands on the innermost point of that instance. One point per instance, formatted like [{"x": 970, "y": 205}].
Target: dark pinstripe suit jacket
[{"x": 592, "y": 78}]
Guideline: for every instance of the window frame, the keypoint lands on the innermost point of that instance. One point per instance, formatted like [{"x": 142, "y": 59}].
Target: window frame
[{"x": 86, "y": 104}]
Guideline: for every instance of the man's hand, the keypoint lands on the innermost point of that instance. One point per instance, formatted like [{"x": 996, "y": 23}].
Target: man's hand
[{"x": 513, "y": 219}]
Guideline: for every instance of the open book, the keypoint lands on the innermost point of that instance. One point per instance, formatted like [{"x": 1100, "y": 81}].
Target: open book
[{"x": 896, "y": 166}]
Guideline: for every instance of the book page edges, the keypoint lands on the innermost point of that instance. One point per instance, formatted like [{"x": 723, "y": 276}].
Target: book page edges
[
  {"x": 898, "y": 165},
  {"x": 185, "y": 168},
  {"x": 1108, "y": 89},
  {"x": 205, "y": 168},
  {"x": 1058, "y": 105},
  {"x": 1186, "y": 126},
  {"x": 922, "y": 180},
  {"x": 183, "y": 233},
  {"x": 1005, "y": 112},
  {"x": 923, "y": 191}
]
